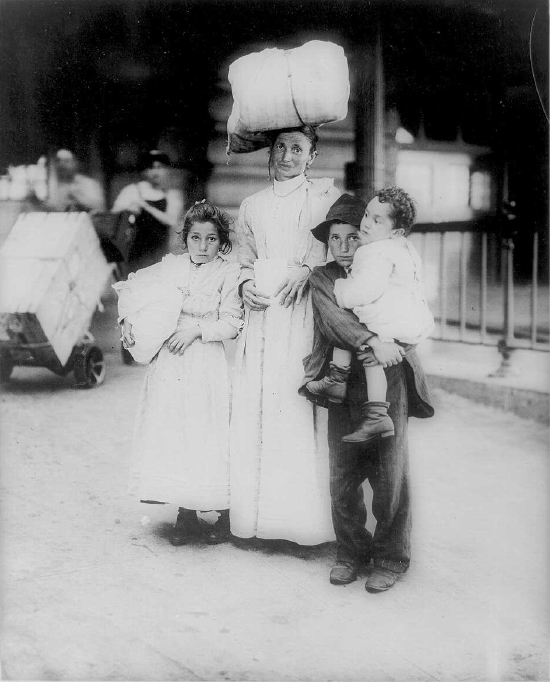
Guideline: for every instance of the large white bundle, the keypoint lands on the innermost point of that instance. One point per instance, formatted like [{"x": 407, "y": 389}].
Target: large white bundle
[
  {"x": 269, "y": 273},
  {"x": 152, "y": 306},
  {"x": 273, "y": 89}
]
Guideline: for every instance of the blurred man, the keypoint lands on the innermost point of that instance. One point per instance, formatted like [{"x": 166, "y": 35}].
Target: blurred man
[{"x": 69, "y": 190}]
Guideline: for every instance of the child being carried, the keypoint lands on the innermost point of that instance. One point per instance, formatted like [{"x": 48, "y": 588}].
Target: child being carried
[{"x": 384, "y": 289}]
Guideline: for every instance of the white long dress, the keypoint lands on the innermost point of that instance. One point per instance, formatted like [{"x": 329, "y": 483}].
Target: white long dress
[
  {"x": 279, "y": 451},
  {"x": 181, "y": 436}
]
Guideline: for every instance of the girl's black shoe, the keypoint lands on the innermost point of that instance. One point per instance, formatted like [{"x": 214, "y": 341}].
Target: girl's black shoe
[
  {"x": 186, "y": 528},
  {"x": 219, "y": 532}
]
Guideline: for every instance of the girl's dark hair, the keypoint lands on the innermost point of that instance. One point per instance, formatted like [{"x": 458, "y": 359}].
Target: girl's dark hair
[
  {"x": 205, "y": 212},
  {"x": 403, "y": 207},
  {"x": 308, "y": 131}
]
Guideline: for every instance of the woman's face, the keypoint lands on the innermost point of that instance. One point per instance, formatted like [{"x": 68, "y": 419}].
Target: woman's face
[
  {"x": 203, "y": 242},
  {"x": 157, "y": 174},
  {"x": 289, "y": 155}
]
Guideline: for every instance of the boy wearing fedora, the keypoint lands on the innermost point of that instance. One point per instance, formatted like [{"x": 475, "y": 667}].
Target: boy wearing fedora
[{"x": 383, "y": 462}]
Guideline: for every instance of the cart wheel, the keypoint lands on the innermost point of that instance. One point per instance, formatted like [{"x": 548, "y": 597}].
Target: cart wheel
[
  {"x": 89, "y": 368},
  {"x": 6, "y": 367},
  {"x": 127, "y": 358}
]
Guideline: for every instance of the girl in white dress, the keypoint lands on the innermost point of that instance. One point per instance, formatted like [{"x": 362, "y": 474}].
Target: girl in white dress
[
  {"x": 186, "y": 305},
  {"x": 279, "y": 451}
]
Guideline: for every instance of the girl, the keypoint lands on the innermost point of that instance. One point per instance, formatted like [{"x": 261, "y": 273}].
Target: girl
[{"x": 181, "y": 437}]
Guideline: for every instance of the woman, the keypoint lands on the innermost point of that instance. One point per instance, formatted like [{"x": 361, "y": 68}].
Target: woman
[
  {"x": 156, "y": 207},
  {"x": 279, "y": 461}
]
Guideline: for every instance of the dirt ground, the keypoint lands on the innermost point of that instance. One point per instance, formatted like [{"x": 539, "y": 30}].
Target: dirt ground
[{"x": 92, "y": 590}]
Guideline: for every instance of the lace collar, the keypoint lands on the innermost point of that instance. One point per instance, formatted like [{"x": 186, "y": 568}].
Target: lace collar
[
  {"x": 285, "y": 187},
  {"x": 202, "y": 266}
]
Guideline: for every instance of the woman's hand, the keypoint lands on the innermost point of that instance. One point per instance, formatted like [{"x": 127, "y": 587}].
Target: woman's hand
[
  {"x": 135, "y": 207},
  {"x": 182, "y": 339},
  {"x": 378, "y": 352},
  {"x": 293, "y": 286},
  {"x": 252, "y": 298},
  {"x": 127, "y": 337}
]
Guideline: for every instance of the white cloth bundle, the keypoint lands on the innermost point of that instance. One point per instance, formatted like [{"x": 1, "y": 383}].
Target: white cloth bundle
[
  {"x": 269, "y": 273},
  {"x": 273, "y": 89},
  {"x": 153, "y": 308}
]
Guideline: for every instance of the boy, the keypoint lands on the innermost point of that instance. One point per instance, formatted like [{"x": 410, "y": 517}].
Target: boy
[{"x": 384, "y": 289}]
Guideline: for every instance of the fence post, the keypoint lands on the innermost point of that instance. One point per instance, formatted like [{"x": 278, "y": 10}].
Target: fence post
[
  {"x": 506, "y": 343},
  {"x": 534, "y": 289},
  {"x": 483, "y": 289},
  {"x": 442, "y": 286}
]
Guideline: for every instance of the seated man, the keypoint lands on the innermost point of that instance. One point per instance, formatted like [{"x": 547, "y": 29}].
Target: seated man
[{"x": 384, "y": 463}]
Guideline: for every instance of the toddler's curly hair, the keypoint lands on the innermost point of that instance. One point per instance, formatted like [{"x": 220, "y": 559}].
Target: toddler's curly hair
[
  {"x": 205, "y": 212},
  {"x": 403, "y": 207}
]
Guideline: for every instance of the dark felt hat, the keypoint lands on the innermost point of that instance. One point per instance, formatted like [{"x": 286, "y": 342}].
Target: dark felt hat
[
  {"x": 147, "y": 159},
  {"x": 346, "y": 209}
]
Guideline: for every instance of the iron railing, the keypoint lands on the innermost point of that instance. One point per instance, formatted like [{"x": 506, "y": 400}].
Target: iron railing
[{"x": 476, "y": 291}]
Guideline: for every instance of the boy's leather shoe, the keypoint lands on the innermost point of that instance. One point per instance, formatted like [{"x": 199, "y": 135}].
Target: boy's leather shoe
[
  {"x": 343, "y": 573},
  {"x": 381, "y": 579}
]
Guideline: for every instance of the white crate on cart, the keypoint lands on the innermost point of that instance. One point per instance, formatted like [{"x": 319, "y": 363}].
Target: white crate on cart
[{"x": 52, "y": 274}]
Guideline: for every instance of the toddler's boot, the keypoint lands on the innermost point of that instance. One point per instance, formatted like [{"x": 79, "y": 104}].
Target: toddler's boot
[
  {"x": 377, "y": 422},
  {"x": 333, "y": 386}
]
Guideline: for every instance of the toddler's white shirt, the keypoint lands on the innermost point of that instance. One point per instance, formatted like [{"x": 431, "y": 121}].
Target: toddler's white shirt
[{"x": 384, "y": 289}]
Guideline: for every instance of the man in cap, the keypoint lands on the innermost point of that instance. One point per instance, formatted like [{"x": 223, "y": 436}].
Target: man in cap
[
  {"x": 70, "y": 190},
  {"x": 384, "y": 463}
]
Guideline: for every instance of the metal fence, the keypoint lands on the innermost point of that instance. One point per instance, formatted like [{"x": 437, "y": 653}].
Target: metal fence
[{"x": 473, "y": 289}]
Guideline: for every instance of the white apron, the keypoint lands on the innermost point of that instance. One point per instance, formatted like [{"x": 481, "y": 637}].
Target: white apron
[{"x": 279, "y": 450}]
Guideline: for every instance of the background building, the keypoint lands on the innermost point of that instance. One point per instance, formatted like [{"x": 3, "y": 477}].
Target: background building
[{"x": 449, "y": 97}]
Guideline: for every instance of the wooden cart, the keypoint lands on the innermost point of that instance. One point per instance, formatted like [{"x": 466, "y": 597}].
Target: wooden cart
[{"x": 52, "y": 274}]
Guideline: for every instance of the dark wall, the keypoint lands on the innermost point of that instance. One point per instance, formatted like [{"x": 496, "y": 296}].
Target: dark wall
[{"x": 104, "y": 76}]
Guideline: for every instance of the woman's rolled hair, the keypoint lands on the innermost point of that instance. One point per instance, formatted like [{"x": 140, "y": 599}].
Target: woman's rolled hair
[{"x": 308, "y": 131}]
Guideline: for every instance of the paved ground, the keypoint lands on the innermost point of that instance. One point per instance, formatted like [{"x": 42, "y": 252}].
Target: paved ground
[
  {"x": 473, "y": 371},
  {"x": 92, "y": 590}
]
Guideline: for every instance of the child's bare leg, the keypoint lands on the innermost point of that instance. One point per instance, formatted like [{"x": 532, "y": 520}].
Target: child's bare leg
[
  {"x": 334, "y": 385},
  {"x": 377, "y": 385},
  {"x": 341, "y": 357}
]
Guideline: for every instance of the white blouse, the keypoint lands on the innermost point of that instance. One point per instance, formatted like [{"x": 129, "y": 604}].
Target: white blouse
[{"x": 276, "y": 223}]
